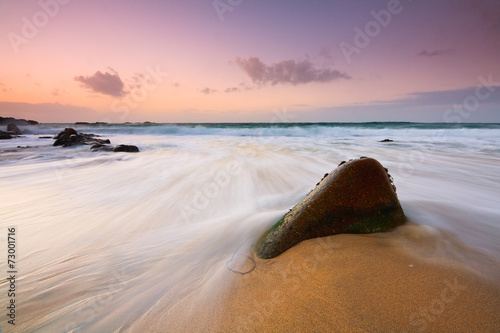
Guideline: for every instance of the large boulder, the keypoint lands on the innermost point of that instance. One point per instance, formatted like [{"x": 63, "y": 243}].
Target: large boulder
[{"x": 358, "y": 197}]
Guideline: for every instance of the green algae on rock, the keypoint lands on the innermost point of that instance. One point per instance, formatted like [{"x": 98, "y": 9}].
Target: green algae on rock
[{"x": 357, "y": 197}]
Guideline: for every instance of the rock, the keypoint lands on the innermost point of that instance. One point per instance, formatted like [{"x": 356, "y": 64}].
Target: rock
[
  {"x": 126, "y": 148},
  {"x": 13, "y": 129},
  {"x": 358, "y": 197},
  {"x": 101, "y": 147},
  {"x": 66, "y": 134},
  {"x": 387, "y": 140},
  {"x": 5, "y": 135},
  {"x": 70, "y": 137},
  {"x": 45, "y": 137}
]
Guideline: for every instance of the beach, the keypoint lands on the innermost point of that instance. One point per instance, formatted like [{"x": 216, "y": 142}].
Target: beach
[
  {"x": 344, "y": 283},
  {"x": 160, "y": 240}
]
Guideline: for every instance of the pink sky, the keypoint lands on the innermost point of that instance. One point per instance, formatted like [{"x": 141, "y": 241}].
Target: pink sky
[{"x": 242, "y": 60}]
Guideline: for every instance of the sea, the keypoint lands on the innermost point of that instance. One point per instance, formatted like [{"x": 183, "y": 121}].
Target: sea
[{"x": 101, "y": 237}]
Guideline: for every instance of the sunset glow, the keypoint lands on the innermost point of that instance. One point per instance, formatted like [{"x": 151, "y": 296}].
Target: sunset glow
[{"x": 235, "y": 61}]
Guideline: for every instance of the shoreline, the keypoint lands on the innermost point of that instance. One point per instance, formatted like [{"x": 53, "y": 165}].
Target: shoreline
[{"x": 341, "y": 283}]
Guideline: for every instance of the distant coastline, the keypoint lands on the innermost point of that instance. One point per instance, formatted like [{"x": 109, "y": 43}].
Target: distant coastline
[{"x": 18, "y": 122}]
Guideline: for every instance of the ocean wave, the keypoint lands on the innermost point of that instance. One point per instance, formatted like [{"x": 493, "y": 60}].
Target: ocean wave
[{"x": 333, "y": 130}]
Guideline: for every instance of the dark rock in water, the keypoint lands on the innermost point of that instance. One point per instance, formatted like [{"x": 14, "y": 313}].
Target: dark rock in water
[
  {"x": 45, "y": 137},
  {"x": 101, "y": 147},
  {"x": 387, "y": 140},
  {"x": 70, "y": 137},
  {"x": 126, "y": 148},
  {"x": 358, "y": 197},
  {"x": 5, "y": 135},
  {"x": 66, "y": 134},
  {"x": 13, "y": 129}
]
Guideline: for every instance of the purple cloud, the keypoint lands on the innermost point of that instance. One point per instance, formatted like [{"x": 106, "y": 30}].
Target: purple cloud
[
  {"x": 104, "y": 83},
  {"x": 241, "y": 87},
  {"x": 232, "y": 89},
  {"x": 425, "y": 53},
  {"x": 208, "y": 91},
  {"x": 287, "y": 71}
]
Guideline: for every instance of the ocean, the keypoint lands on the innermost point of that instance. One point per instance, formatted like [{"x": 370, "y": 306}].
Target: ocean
[{"x": 102, "y": 237}]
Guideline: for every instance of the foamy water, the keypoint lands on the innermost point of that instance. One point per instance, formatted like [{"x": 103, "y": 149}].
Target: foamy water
[{"x": 103, "y": 237}]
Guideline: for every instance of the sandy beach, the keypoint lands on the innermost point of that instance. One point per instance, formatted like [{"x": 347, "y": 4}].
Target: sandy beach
[{"x": 341, "y": 283}]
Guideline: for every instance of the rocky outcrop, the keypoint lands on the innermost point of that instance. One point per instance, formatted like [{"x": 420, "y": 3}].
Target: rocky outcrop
[
  {"x": 70, "y": 137},
  {"x": 358, "y": 197}
]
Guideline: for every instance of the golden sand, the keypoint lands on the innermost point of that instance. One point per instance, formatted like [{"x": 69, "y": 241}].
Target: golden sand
[{"x": 341, "y": 283}]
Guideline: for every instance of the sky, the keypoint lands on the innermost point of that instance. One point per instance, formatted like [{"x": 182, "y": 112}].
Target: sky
[{"x": 250, "y": 60}]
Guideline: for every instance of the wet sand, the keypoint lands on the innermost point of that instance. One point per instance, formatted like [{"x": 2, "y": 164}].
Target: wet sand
[{"x": 342, "y": 283}]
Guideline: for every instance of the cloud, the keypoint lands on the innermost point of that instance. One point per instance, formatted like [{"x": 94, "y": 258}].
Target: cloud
[
  {"x": 446, "y": 98},
  {"x": 104, "y": 83},
  {"x": 425, "y": 53},
  {"x": 208, "y": 91},
  {"x": 241, "y": 87},
  {"x": 232, "y": 89},
  {"x": 287, "y": 72},
  {"x": 451, "y": 106}
]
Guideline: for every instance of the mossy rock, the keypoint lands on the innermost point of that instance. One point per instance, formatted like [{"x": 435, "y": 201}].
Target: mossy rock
[{"x": 357, "y": 197}]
